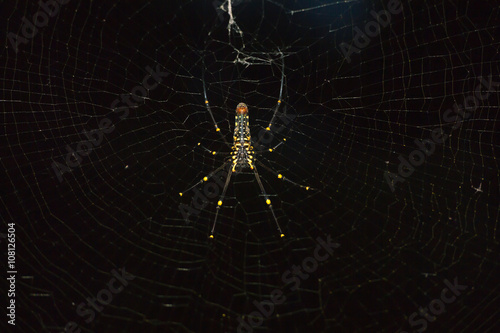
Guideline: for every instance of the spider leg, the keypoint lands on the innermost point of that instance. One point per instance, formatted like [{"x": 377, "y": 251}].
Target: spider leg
[
  {"x": 270, "y": 149},
  {"x": 279, "y": 144},
  {"x": 207, "y": 105},
  {"x": 210, "y": 175},
  {"x": 212, "y": 152},
  {"x": 280, "y": 176},
  {"x": 219, "y": 203},
  {"x": 268, "y": 201},
  {"x": 281, "y": 90}
]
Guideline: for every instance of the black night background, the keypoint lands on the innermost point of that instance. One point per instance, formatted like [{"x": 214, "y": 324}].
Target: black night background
[{"x": 389, "y": 115}]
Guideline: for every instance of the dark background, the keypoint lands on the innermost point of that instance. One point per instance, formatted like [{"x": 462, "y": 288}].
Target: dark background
[{"x": 119, "y": 208}]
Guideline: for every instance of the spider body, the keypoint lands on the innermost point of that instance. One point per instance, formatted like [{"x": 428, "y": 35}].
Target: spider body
[{"x": 242, "y": 150}]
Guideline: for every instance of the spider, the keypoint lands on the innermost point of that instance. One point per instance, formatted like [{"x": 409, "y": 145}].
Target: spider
[{"x": 242, "y": 152}]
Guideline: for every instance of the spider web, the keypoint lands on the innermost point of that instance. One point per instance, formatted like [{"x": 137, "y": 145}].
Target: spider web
[{"x": 347, "y": 120}]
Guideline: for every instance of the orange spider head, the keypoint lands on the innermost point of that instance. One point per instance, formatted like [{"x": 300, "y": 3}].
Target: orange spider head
[{"x": 242, "y": 109}]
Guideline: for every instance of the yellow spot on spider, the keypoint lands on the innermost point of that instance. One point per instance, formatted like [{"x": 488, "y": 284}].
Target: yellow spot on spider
[
  {"x": 205, "y": 178},
  {"x": 280, "y": 176},
  {"x": 279, "y": 100},
  {"x": 213, "y": 153},
  {"x": 268, "y": 201},
  {"x": 270, "y": 149},
  {"x": 206, "y": 101},
  {"x": 268, "y": 129},
  {"x": 282, "y": 235},
  {"x": 180, "y": 194},
  {"x": 199, "y": 143},
  {"x": 217, "y": 129},
  {"x": 211, "y": 236},
  {"x": 284, "y": 139},
  {"x": 219, "y": 203},
  {"x": 307, "y": 188}
]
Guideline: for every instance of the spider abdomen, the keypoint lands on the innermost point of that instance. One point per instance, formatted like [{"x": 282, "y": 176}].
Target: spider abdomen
[{"x": 242, "y": 155}]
